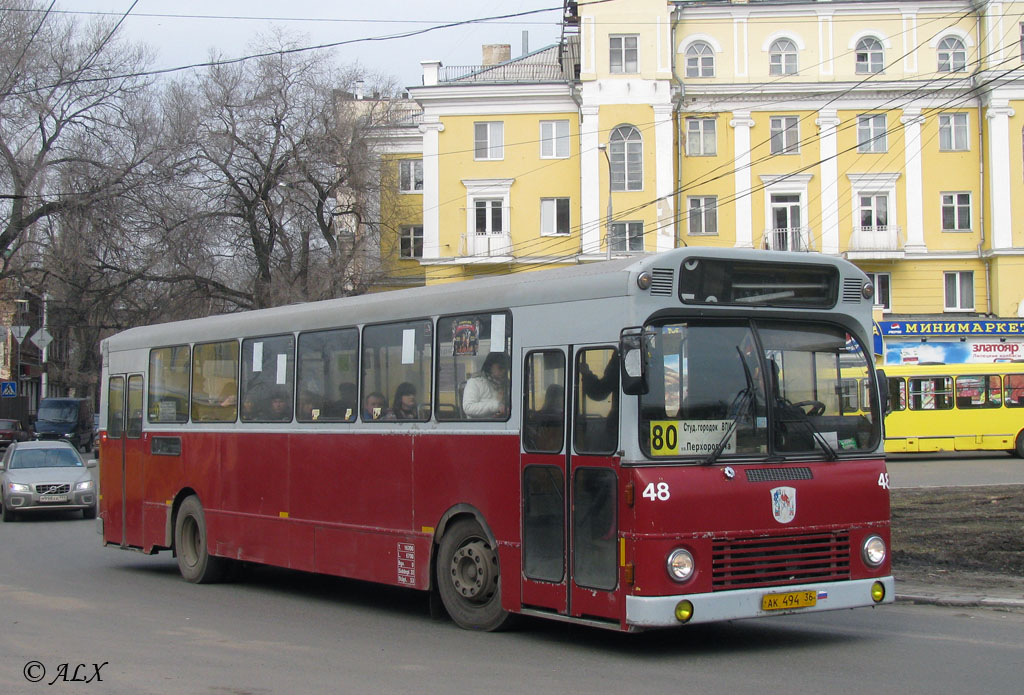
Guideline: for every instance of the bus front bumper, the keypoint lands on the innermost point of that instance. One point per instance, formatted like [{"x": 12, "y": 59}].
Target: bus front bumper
[{"x": 660, "y": 611}]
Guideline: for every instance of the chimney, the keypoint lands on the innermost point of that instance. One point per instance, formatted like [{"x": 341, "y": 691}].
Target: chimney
[
  {"x": 359, "y": 89},
  {"x": 526, "y": 41},
  {"x": 495, "y": 53}
]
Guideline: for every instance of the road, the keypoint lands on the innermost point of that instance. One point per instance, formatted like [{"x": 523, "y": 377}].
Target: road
[{"x": 130, "y": 619}]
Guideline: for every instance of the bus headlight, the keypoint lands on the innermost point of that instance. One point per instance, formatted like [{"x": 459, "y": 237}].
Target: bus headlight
[
  {"x": 873, "y": 551},
  {"x": 680, "y": 564}
]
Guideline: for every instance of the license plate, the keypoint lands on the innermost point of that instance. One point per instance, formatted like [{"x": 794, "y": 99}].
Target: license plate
[
  {"x": 53, "y": 498},
  {"x": 791, "y": 599}
]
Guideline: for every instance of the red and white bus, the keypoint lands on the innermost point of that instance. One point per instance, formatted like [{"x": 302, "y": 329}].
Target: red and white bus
[{"x": 646, "y": 442}]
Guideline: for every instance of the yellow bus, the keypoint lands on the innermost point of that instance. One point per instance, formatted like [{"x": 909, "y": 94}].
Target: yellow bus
[{"x": 955, "y": 407}]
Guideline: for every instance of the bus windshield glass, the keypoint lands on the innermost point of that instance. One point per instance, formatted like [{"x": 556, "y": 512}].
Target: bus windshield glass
[{"x": 753, "y": 389}]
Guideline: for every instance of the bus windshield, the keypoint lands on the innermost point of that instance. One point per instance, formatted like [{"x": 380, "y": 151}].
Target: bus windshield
[{"x": 750, "y": 389}]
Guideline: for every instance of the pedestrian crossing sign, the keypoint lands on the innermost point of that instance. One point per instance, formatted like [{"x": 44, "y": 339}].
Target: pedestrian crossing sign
[{"x": 9, "y": 389}]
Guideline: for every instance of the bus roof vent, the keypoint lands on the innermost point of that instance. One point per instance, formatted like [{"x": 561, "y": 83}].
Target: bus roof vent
[
  {"x": 662, "y": 280},
  {"x": 852, "y": 290},
  {"x": 765, "y": 475}
]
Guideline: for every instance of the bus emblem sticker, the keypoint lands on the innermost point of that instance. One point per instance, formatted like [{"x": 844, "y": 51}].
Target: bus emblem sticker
[{"x": 784, "y": 504}]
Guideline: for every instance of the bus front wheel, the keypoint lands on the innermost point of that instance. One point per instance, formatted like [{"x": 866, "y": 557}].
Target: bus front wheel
[
  {"x": 1018, "y": 449},
  {"x": 468, "y": 578},
  {"x": 194, "y": 562}
]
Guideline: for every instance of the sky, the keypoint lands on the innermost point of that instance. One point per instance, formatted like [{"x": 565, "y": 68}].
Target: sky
[{"x": 182, "y": 32}]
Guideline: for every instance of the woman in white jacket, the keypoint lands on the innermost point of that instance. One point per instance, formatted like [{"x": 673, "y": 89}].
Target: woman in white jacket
[{"x": 486, "y": 395}]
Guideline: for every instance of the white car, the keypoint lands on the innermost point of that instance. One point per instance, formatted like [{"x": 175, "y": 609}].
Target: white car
[{"x": 40, "y": 475}]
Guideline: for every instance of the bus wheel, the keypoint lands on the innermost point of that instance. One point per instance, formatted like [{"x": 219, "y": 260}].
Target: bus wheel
[
  {"x": 194, "y": 562},
  {"x": 467, "y": 578},
  {"x": 1019, "y": 448}
]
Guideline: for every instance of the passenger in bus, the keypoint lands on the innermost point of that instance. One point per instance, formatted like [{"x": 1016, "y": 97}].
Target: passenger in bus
[
  {"x": 374, "y": 406},
  {"x": 345, "y": 407},
  {"x": 404, "y": 406},
  {"x": 279, "y": 406},
  {"x": 486, "y": 394}
]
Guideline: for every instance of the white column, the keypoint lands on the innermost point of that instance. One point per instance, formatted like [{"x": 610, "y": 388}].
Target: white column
[
  {"x": 827, "y": 124},
  {"x": 742, "y": 123},
  {"x": 911, "y": 120},
  {"x": 431, "y": 130},
  {"x": 1001, "y": 220},
  {"x": 664, "y": 176},
  {"x": 591, "y": 161}
]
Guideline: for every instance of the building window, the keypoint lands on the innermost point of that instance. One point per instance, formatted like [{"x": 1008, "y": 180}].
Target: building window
[
  {"x": 700, "y": 137},
  {"x": 625, "y": 151},
  {"x": 874, "y": 212},
  {"x": 623, "y": 54},
  {"x": 554, "y": 139},
  {"x": 700, "y": 60},
  {"x": 956, "y": 212},
  {"x": 953, "y": 132},
  {"x": 411, "y": 241},
  {"x": 626, "y": 236},
  {"x": 869, "y": 56},
  {"x": 959, "y": 290},
  {"x": 871, "y": 135},
  {"x": 410, "y": 176},
  {"x": 489, "y": 216},
  {"x": 489, "y": 140},
  {"x": 782, "y": 58},
  {"x": 882, "y": 283},
  {"x": 785, "y": 135},
  {"x": 952, "y": 55},
  {"x": 703, "y": 214},
  {"x": 554, "y": 216}
]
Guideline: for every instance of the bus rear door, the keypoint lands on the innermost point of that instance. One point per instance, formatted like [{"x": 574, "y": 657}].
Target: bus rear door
[{"x": 122, "y": 485}]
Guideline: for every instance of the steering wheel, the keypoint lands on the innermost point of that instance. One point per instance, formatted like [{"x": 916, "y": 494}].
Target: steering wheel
[{"x": 817, "y": 407}]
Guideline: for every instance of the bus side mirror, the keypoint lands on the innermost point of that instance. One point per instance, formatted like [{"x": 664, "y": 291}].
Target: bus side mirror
[
  {"x": 633, "y": 365},
  {"x": 883, "y": 391}
]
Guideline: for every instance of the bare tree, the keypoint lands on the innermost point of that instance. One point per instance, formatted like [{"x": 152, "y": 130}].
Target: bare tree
[
  {"x": 66, "y": 94},
  {"x": 277, "y": 162}
]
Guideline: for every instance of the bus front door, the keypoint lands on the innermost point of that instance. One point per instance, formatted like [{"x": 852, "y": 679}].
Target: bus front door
[{"x": 569, "y": 482}]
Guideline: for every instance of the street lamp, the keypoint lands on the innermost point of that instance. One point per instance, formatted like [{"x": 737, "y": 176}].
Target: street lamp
[{"x": 604, "y": 147}]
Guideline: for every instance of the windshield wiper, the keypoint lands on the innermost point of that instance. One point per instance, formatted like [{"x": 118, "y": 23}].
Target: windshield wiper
[
  {"x": 740, "y": 406},
  {"x": 818, "y": 437}
]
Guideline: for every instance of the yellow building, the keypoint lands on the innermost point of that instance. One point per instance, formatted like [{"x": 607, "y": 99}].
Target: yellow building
[{"x": 887, "y": 132}]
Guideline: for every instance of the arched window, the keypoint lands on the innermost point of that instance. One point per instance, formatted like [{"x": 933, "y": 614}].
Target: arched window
[
  {"x": 782, "y": 58},
  {"x": 952, "y": 55},
  {"x": 870, "y": 56},
  {"x": 700, "y": 60},
  {"x": 626, "y": 157}
]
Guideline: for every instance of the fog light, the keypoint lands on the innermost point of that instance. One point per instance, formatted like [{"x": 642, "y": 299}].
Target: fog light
[
  {"x": 877, "y": 592},
  {"x": 684, "y": 611}
]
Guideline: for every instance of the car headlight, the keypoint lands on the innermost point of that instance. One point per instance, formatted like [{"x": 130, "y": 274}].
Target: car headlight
[
  {"x": 873, "y": 551},
  {"x": 18, "y": 487},
  {"x": 67, "y": 435},
  {"x": 84, "y": 485},
  {"x": 680, "y": 564}
]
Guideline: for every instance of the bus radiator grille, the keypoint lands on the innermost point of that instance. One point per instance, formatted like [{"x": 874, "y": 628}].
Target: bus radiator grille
[{"x": 741, "y": 563}]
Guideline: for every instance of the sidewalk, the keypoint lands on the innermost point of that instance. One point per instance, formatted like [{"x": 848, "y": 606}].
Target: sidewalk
[{"x": 953, "y": 595}]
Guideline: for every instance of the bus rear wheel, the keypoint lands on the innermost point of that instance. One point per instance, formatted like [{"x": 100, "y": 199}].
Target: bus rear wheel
[
  {"x": 468, "y": 578},
  {"x": 194, "y": 561},
  {"x": 1018, "y": 449}
]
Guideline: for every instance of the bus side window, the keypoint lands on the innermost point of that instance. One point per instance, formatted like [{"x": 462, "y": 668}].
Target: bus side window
[
  {"x": 328, "y": 369},
  {"x": 1013, "y": 390},
  {"x": 473, "y": 375},
  {"x": 397, "y": 361},
  {"x": 214, "y": 366},
  {"x": 897, "y": 393},
  {"x": 267, "y": 381},
  {"x": 596, "y": 419}
]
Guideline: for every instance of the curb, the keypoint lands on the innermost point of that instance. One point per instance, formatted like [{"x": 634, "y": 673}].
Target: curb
[{"x": 960, "y": 601}]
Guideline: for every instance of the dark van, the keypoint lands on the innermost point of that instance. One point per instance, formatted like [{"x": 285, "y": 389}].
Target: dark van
[{"x": 69, "y": 419}]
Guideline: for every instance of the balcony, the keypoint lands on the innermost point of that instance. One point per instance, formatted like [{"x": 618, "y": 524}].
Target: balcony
[
  {"x": 788, "y": 239},
  {"x": 486, "y": 246},
  {"x": 882, "y": 241}
]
